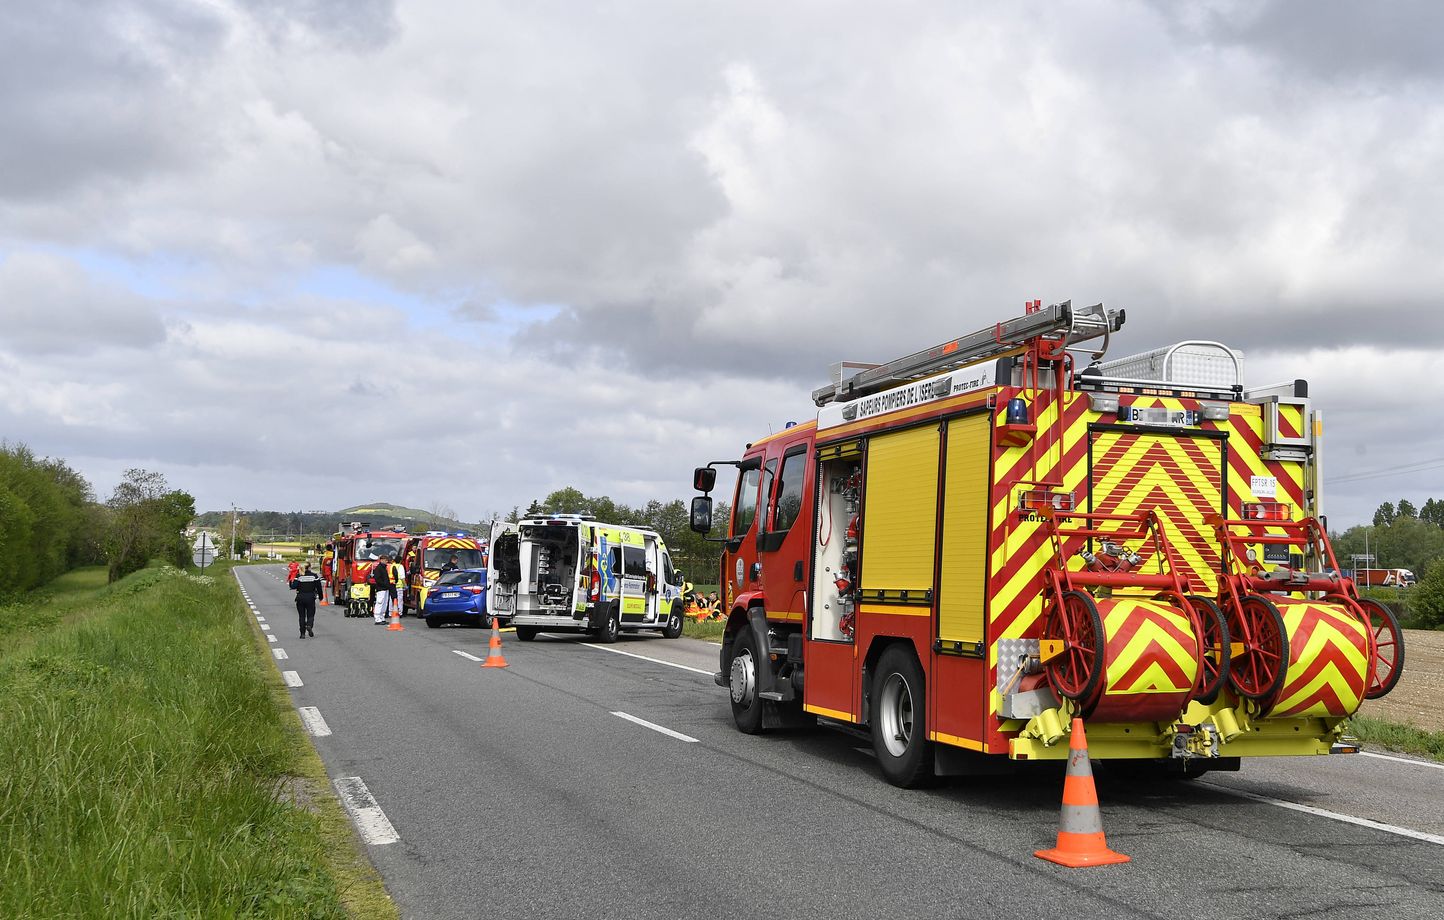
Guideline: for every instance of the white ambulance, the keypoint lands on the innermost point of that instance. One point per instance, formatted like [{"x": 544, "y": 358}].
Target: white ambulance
[{"x": 568, "y": 573}]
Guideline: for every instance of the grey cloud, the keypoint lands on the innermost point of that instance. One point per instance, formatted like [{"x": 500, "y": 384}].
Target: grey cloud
[
  {"x": 1331, "y": 40},
  {"x": 50, "y": 305}
]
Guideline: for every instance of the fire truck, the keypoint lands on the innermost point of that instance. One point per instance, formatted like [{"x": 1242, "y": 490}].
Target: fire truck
[
  {"x": 971, "y": 545},
  {"x": 357, "y": 548},
  {"x": 423, "y": 555}
]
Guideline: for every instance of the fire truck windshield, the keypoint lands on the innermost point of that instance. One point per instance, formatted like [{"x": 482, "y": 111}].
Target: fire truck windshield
[
  {"x": 366, "y": 550},
  {"x": 465, "y": 558}
]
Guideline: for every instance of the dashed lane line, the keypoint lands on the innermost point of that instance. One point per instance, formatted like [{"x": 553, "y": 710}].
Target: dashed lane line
[
  {"x": 655, "y": 727},
  {"x": 270, "y": 638},
  {"x": 670, "y": 664},
  {"x": 1408, "y": 760},
  {"x": 371, "y": 822},
  {"x": 292, "y": 678},
  {"x": 1336, "y": 816},
  {"x": 265, "y": 627},
  {"x": 457, "y": 651},
  {"x": 280, "y": 654},
  {"x": 311, "y": 718}
]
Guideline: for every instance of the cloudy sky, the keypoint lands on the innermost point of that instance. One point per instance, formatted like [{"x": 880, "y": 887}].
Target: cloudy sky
[{"x": 302, "y": 254}]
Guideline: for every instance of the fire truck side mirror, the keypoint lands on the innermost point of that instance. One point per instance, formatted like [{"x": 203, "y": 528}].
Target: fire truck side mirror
[
  {"x": 704, "y": 478},
  {"x": 701, "y": 517}
]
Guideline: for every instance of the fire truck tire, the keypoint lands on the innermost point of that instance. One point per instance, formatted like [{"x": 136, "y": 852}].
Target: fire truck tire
[
  {"x": 611, "y": 626},
  {"x": 673, "y": 629},
  {"x": 747, "y": 704},
  {"x": 526, "y": 633},
  {"x": 898, "y": 713},
  {"x": 1388, "y": 664}
]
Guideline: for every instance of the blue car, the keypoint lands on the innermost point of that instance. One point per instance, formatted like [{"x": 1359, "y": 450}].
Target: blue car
[{"x": 457, "y": 597}]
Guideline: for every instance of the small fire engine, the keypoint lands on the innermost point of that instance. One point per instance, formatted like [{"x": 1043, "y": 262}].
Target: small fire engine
[
  {"x": 424, "y": 555},
  {"x": 357, "y": 548},
  {"x": 975, "y": 543}
]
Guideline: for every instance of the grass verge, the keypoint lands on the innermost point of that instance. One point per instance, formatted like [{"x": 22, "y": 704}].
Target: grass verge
[
  {"x": 149, "y": 766},
  {"x": 710, "y": 630},
  {"x": 1397, "y": 737}
]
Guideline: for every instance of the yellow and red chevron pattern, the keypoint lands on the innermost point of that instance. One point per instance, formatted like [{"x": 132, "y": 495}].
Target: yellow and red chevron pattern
[
  {"x": 1151, "y": 659},
  {"x": 1183, "y": 477},
  {"x": 1328, "y": 660}
]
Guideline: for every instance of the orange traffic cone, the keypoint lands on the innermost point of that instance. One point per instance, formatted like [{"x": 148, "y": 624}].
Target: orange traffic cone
[
  {"x": 1080, "y": 829},
  {"x": 322, "y": 601},
  {"x": 395, "y": 621},
  {"x": 493, "y": 655}
]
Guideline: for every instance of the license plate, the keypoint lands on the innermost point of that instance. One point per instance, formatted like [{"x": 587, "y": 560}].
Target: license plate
[
  {"x": 503, "y": 602},
  {"x": 451, "y": 594},
  {"x": 1154, "y": 415}
]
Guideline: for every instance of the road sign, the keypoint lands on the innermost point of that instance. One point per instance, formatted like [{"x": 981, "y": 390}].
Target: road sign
[{"x": 203, "y": 552}]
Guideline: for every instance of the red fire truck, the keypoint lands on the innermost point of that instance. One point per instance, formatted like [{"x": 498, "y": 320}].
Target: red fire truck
[
  {"x": 357, "y": 548},
  {"x": 970, "y": 545}
]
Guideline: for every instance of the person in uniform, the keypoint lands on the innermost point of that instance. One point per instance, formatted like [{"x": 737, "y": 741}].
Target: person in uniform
[
  {"x": 381, "y": 587},
  {"x": 308, "y": 587}
]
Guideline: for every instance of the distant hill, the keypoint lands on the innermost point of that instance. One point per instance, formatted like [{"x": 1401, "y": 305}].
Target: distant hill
[{"x": 319, "y": 525}]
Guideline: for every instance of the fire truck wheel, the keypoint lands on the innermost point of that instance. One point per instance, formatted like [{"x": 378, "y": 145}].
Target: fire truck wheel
[
  {"x": 526, "y": 633},
  {"x": 611, "y": 626},
  {"x": 742, "y": 683},
  {"x": 673, "y": 629},
  {"x": 899, "y": 719}
]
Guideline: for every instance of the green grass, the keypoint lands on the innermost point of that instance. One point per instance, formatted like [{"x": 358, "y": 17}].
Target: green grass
[
  {"x": 1397, "y": 737},
  {"x": 146, "y": 752},
  {"x": 710, "y": 630}
]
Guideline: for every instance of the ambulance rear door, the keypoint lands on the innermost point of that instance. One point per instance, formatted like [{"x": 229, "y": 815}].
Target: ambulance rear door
[{"x": 503, "y": 569}]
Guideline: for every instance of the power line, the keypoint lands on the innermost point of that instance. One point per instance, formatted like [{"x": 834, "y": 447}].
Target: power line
[{"x": 1417, "y": 467}]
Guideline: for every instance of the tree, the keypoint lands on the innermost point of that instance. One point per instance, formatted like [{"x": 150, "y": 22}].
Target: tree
[
  {"x": 1427, "y": 601},
  {"x": 148, "y": 519},
  {"x": 1432, "y": 512},
  {"x": 1406, "y": 509},
  {"x": 1384, "y": 515}
]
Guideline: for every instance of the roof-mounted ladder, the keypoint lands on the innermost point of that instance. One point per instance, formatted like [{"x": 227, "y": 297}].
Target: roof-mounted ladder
[{"x": 1074, "y": 324}]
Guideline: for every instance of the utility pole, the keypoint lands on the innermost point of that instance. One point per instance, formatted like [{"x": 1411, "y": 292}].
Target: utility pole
[{"x": 233, "y": 554}]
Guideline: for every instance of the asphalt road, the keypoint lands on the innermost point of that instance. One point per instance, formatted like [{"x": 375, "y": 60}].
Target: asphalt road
[{"x": 521, "y": 792}]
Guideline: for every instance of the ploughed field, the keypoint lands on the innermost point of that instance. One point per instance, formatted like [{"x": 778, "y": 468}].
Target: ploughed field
[{"x": 1417, "y": 699}]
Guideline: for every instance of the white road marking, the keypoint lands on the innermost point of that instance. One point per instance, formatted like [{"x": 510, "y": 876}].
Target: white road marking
[
  {"x": 270, "y": 638},
  {"x": 265, "y": 627},
  {"x": 292, "y": 679},
  {"x": 311, "y": 718},
  {"x": 458, "y": 651},
  {"x": 670, "y": 664},
  {"x": 1410, "y": 761},
  {"x": 360, "y": 804},
  {"x": 1336, "y": 816},
  {"x": 280, "y": 653},
  {"x": 655, "y": 727}
]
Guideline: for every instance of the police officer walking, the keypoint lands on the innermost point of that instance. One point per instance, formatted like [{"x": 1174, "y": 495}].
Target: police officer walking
[{"x": 308, "y": 587}]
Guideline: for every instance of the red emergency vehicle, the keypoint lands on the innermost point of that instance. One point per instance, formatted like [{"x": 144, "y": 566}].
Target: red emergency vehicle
[
  {"x": 357, "y": 549},
  {"x": 970, "y": 545}
]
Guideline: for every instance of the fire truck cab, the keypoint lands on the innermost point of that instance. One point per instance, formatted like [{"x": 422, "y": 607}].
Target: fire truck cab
[
  {"x": 568, "y": 573},
  {"x": 971, "y": 545},
  {"x": 357, "y": 549},
  {"x": 425, "y": 555}
]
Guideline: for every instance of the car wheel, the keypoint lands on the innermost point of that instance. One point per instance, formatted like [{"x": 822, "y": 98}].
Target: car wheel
[
  {"x": 673, "y": 629},
  {"x": 611, "y": 627},
  {"x": 526, "y": 633},
  {"x": 432, "y": 621},
  {"x": 899, "y": 719}
]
